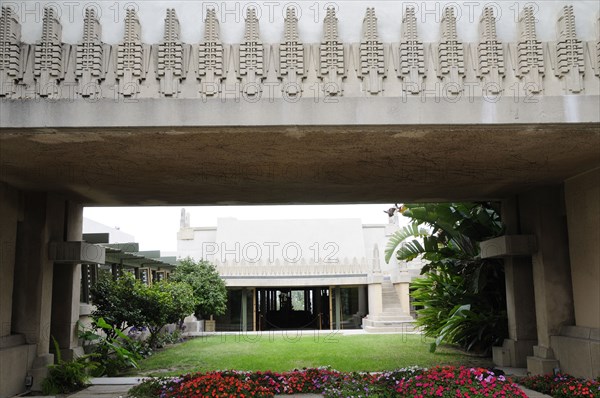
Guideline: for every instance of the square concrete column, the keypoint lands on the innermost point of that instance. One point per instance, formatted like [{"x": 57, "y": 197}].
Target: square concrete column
[
  {"x": 403, "y": 292},
  {"x": 244, "y": 314},
  {"x": 362, "y": 300},
  {"x": 338, "y": 308},
  {"x": 542, "y": 214},
  {"x": 375, "y": 297},
  {"x": 66, "y": 289},
  {"x": 520, "y": 300},
  {"x": 317, "y": 306},
  {"x": 582, "y": 196},
  {"x": 16, "y": 356},
  {"x": 254, "y": 308},
  {"x": 9, "y": 210},
  {"x": 42, "y": 221}
]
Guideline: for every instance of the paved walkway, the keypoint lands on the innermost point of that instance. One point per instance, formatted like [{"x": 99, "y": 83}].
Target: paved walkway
[
  {"x": 534, "y": 394},
  {"x": 104, "y": 391}
]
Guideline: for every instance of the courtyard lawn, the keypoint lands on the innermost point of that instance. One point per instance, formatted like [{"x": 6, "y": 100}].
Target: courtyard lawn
[{"x": 280, "y": 353}]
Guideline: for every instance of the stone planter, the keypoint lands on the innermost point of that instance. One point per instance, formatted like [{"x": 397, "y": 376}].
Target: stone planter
[{"x": 209, "y": 325}]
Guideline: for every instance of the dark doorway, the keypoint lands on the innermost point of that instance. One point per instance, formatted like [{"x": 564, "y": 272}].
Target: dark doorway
[{"x": 295, "y": 308}]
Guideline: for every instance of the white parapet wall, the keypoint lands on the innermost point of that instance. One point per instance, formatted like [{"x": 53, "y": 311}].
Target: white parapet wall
[{"x": 277, "y": 273}]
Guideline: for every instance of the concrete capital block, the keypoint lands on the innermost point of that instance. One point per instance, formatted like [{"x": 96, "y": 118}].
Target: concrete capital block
[
  {"x": 100, "y": 237},
  {"x": 86, "y": 309},
  {"x": 508, "y": 246},
  {"x": 76, "y": 253}
]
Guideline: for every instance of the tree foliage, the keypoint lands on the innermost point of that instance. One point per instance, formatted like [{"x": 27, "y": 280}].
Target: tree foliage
[
  {"x": 116, "y": 302},
  {"x": 462, "y": 295},
  {"x": 126, "y": 302},
  {"x": 209, "y": 290},
  {"x": 164, "y": 303}
]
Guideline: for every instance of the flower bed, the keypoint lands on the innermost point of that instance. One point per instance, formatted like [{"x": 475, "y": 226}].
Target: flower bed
[
  {"x": 413, "y": 382},
  {"x": 562, "y": 386}
]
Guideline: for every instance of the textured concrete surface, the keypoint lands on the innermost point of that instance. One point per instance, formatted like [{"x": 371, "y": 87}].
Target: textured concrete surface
[
  {"x": 534, "y": 394},
  {"x": 292, "y": 164},
  {"x": 105, "y": 391},
  {"x": 116, "y": 381}
]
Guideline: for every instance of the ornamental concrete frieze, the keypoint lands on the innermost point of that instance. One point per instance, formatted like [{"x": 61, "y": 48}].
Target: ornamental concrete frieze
[{"x": 291, "y": 69}]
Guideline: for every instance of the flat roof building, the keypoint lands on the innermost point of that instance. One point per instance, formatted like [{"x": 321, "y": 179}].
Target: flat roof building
[{"x": 331, "y": 270}]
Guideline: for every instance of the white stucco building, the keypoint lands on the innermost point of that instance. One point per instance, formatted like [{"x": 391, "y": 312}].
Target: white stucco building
[{"x": 292, "y": 273}]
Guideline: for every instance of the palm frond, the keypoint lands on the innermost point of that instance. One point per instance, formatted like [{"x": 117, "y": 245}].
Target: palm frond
[
  {"x": 410, "y": 250},
  {"x": 409, "y": 231}
]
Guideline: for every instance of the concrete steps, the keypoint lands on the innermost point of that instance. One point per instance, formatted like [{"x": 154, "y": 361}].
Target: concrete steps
[
  {"x": 406, "y": 328},
  {"x": 392, "y": 319}
]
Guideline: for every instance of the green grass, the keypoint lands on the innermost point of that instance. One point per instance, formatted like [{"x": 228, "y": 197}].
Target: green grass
[{"x": 278, "y": 353}]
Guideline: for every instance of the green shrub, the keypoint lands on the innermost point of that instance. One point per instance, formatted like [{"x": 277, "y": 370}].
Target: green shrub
[
  {"x": 148, "y": 388},
  {"x": 139, "y": 346},
  {"x": 112, "y": 354},
  {"x": 165, "y": 338},
  {"x": 462, "y": 296},
  {"x": 67, "y": 376}
]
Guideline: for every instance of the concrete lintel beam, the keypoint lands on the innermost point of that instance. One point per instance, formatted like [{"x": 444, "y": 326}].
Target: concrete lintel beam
[
  {"x": 96, "y": 237},
  {"x": 374, "y": 279},
  {"x": 508, "y": 246},
  {"x": 76, "y": 253}
]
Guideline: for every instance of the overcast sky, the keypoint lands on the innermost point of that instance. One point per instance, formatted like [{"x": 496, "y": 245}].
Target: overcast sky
[{"x": 155, "y": 228}]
